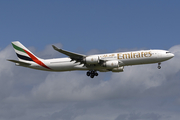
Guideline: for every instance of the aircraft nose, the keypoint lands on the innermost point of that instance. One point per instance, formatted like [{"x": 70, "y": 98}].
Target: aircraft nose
[{"x": 171, "y": 55}]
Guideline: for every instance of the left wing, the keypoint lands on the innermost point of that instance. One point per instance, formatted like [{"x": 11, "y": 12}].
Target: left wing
[
  {"x": 83, "y": 59},
  {"x": 73, "y": 56}
]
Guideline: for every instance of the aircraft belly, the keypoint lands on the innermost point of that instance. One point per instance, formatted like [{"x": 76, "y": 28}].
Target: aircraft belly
[
  {"x": 65, "y": 66},
  {"x": 138, "y": 61}
]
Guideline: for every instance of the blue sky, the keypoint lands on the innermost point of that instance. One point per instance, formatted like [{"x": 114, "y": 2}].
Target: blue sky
[{"x": 86, "y": 25}]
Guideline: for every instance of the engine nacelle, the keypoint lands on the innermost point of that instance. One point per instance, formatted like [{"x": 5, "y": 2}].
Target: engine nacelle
[
  {"x": 119, "y": 69},
  {"x": 111, "y": 64},
  {"x": 92, "y": 60}
]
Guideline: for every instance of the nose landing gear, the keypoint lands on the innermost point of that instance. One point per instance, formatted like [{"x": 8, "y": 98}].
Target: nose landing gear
[
  {"x": 92, "y": 73},
  {"x": 159, "y": 65}
]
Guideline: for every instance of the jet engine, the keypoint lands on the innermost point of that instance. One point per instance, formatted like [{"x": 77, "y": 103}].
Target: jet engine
[
  {"x": 92, "y": 60},
  {"x": 119, "y": 69},
  {"x": 111, "y": 64}
]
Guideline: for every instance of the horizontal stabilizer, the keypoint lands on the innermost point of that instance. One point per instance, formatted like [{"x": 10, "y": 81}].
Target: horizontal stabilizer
[{"x": 20, "y": 62}]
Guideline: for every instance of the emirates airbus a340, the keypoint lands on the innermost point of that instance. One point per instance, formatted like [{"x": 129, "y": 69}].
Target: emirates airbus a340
[{"x": 114, "y": 62}]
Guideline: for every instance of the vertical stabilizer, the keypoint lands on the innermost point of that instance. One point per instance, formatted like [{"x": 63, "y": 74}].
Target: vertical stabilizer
[
  {"x": 24, "y": 55},
  {"x": 22, "y": 52}
]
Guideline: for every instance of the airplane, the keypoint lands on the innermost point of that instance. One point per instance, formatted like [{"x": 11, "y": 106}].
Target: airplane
[{"x": 114, "y": 62}]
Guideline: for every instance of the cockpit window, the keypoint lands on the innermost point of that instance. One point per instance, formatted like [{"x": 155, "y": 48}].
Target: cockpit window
[{"x": 168, "y": 52}]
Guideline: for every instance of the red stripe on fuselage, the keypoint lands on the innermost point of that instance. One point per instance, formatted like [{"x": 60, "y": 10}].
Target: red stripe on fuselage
[{"x": 36, "y": 60}]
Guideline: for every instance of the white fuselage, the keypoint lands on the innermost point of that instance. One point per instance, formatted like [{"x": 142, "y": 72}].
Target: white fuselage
[{"x": 124, "y": 59}]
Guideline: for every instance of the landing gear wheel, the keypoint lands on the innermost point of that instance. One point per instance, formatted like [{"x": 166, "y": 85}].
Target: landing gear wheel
[
  {"x": 92, "y": 73},
  {"x": 92, "y": 76},
  {"x": 88, "y": 73},
  {"x": 159, "y": 67}
]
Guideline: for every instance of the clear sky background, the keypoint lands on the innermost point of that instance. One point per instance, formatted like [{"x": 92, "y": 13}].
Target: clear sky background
[{"x": 88, "y": 27}]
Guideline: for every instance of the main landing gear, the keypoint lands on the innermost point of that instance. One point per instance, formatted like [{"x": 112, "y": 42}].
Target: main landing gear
[
  {"x": 159, "y": 65},
  {"x": 92, "y": 73}
]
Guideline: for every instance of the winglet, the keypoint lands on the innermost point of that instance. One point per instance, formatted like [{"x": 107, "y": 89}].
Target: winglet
[{"x": 55, "y": 48}]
